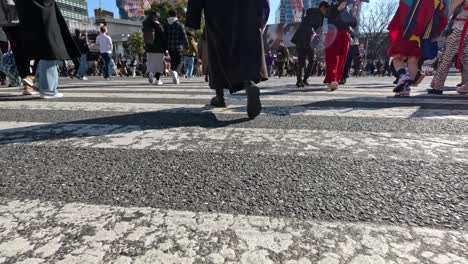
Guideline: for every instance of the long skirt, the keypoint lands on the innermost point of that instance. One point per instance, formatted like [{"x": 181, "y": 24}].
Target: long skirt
[{"x": 155, "y": 63}]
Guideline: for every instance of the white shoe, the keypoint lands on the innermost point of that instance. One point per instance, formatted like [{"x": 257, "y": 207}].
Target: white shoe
[
  {"x": 84, "y": 78},
  {"x": 57, "y": 95},
  {"x": 159, "y": 82},
  {"x": 333, "y": 86},
  {"x": 29, "y": 91},
  {"x": 175, "y": 77}
]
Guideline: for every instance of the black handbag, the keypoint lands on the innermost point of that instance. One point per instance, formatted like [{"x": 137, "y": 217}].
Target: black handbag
[
  {"x": 8, "y": 13},
  {"x": 347, "y": 18}
]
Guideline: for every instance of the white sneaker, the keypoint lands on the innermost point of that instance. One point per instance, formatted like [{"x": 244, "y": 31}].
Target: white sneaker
[
  {"x": 175, "y": 77},
  {"x": 84, "y": 78},
  {"x": 403, "y": 83},
  {"x": 159, "y": 82},
  {"x": 333, "y": 86},
  {"x": 55, "y": 96},
  {"x": 29, "y": 91}
]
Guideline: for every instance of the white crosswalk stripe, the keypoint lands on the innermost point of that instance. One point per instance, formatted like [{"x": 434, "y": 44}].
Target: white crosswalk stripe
[{"x": 64, "y": 224}]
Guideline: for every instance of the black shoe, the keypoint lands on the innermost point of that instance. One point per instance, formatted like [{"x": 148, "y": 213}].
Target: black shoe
[
  {"x": 342, "y": 82},
  {"x": 435, "y": 91},
  {"x": 306, "y": 83},
  {"x": 460, "y": 84},
  {"x": 396, "y": 81},
  {"x": 218, "y": 101},
  {"x": 254, "y": 106},
  {"x": 300, "y": 84}
]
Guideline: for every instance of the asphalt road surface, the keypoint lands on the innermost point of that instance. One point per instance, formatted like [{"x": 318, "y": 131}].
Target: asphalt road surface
[{"x": 127, "y": 172}]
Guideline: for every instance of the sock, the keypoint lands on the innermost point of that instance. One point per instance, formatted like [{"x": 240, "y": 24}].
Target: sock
[{"x": 402, "y": 72}]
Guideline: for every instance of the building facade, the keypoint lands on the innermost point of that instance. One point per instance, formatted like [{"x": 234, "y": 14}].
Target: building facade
[
  {"x": 74, "y": 10},
  {"x": 290, "y": 11},
  {"x": 75, "y": 13}
]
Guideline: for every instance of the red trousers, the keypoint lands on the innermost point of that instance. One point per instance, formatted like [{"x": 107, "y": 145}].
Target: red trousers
[{"x": 336, "y": 53}]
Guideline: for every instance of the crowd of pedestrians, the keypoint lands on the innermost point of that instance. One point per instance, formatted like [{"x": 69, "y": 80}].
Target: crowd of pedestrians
[{"x": 230, "y": 52}]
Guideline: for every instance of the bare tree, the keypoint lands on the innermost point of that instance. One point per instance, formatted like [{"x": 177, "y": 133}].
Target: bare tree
[{"x": 374, "y": 20}]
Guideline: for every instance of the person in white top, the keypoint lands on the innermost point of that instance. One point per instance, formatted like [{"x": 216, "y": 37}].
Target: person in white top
[{"x": 104, "y": 42}]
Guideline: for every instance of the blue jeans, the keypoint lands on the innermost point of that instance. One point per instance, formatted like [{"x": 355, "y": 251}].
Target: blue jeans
[
  {"x": 189, "y": 63},
  {"x": 83, "y": 65},
  {"x": 48, "y": 77},
  {"x": 106, "y": 57}
]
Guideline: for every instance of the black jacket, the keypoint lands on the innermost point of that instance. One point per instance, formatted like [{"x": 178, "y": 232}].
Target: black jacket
[
  {"x": 82, "y": 44},
  {"x": 309, "y": 25},
  {"x": 340, "y": 20},
  {"x": 44, "y": 32},
  {"x": 160, "y": 39}
]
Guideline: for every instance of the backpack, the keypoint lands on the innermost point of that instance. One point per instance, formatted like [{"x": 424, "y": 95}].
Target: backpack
[{"x": 8, "y": 13}]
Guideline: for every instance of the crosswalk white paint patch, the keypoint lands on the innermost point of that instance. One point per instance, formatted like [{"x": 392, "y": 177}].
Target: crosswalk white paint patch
[
  {"x": 404, "y": 146},
  {"x": 109, "y": 234}
]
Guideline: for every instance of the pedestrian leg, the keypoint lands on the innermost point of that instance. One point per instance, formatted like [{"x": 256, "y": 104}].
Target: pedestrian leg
[
  {"x": 445, "y": 63},
  {"x": 301, "y": 63},
  {"x": 106, "y": 69},
  {"x": 310, "y": 65},
  {"x": 464, "y": 63},
  {"x": 343, "y": 41},
  {"x": 331, "y": 59},
  {"x": 48, "y": 79},
  {"x": 83, "y": 66}
]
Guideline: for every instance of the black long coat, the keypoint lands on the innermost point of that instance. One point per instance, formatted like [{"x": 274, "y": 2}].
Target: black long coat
[
  {"x": 234, "y": 38},
  {"x": 150, "y": 24},
  {"x": 44, "y": 32}
]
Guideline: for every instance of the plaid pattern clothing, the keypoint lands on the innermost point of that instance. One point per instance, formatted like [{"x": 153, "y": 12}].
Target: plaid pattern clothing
[{"x": 176, "y": 37}]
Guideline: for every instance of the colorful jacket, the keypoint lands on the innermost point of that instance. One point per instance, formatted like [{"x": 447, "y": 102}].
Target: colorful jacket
[{"x": 419, "y": 19}]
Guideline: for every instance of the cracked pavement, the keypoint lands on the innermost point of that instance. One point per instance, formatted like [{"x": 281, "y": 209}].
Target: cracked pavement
[{"x": 123, "y": 172}]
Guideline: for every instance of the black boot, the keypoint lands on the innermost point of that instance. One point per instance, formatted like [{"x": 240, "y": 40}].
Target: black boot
[
  {"x": 254, "y": 105},
  {"x": 435, "y": 91},
  {"x": 300, "y": 84},
  {"x": 218, "y": 100},
  {"x": 305, "y": 82}
]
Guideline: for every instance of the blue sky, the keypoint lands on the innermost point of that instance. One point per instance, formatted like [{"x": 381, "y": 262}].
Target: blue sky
[{"x": 110, "y": 5}]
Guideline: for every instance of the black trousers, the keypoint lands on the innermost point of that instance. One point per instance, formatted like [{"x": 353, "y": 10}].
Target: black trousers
[
  {"x": 3, "y": 49},
  {"x": 176, "y": 59},
  {"x": 305, "y": 54},
  {"x": 280, "y": 68},
  {"x": 347, "y": 67},
  {"x": 22, "y": 63}
]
